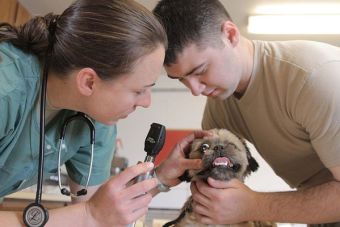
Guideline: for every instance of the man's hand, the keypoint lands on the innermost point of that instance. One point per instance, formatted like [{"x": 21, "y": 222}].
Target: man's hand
[
  {"x": 175, "y": 164},
  {"x": 221, "y": 202}
]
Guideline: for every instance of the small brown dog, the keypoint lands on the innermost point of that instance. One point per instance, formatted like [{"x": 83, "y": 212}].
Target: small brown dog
[{"x": 224, "y": 156}]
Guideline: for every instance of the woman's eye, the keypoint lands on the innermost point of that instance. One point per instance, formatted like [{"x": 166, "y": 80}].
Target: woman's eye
[{"x": 204, "y": 147}]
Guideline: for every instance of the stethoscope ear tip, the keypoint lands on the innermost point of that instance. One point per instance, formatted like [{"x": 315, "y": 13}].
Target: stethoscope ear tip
[
  {"x": 82, "y": 192},
  {"x": 64, "y": 191}
]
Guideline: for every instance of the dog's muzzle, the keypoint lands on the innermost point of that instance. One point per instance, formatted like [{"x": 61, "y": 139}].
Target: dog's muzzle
[{"x": 222, "y": 159}]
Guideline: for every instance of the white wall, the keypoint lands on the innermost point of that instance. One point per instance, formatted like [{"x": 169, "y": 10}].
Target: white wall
[{"x": 175, "y": 107}]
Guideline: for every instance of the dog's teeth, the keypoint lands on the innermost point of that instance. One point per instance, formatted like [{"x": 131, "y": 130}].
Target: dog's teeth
[
  {"x": 221, "y": 164},
  {"x": 221, "y": 161}
]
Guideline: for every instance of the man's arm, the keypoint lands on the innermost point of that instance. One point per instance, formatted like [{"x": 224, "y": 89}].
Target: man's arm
[
  {"x": 320, "y": 204},
  {"x": 234, "y": 202}
]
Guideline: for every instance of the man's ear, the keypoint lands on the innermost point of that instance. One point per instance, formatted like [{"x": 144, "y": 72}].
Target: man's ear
[
  {"x": 85, "y": 80},
  {"x": 230, "y": 33}
]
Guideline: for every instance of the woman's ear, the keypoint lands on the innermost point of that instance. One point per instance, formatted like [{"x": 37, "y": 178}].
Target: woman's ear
[
  {"x": 85, "y": 80},
  {"x": 230, "y": 33}
]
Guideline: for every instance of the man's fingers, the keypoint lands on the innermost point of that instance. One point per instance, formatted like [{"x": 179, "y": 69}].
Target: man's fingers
[
  {"x": 221, "y": 184},
  {"x": 192, "y": 163},
  {"x": 194, "y": 135}
]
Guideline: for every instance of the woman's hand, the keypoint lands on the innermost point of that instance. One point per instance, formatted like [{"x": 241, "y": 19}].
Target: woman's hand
[
  {"x": 176, "y": 163},
  {"x": 118, "y": 202}
]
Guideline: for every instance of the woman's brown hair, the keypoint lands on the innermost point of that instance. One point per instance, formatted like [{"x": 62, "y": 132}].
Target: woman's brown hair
[{"x": 108, "y": 36}]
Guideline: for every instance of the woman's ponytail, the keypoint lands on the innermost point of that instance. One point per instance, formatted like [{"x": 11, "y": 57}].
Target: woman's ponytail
[{"x": 32, "y": 37}]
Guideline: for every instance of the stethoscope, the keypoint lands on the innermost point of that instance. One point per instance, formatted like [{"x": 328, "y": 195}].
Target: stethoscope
[{"x": 35, "y": 215}]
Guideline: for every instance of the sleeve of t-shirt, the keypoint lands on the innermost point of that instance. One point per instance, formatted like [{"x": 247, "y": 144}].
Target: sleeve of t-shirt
[
  {"x": 78, "y": 165},
  {"x": 318, "y": 111}
]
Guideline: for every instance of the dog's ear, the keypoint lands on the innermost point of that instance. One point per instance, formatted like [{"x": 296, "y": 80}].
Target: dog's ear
[
  {"x": 252, "y": 163},
  {"x": 185, "y": 177}
]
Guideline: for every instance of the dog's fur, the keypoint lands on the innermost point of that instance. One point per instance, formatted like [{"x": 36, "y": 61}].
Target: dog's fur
[{"x": 224, "y": 156}]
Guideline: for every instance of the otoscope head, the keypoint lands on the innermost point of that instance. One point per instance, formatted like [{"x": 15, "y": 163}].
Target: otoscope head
[{"x": 155, "y": 139}]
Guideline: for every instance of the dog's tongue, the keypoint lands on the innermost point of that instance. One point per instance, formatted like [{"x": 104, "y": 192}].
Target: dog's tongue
[{"x": 221, "y": 161}]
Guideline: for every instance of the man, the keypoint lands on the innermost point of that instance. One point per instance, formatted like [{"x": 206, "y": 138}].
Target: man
[{"x": 284, "y": 97}]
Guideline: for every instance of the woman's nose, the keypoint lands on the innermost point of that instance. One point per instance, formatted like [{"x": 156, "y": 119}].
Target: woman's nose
[{"x": 145, "y": 100}]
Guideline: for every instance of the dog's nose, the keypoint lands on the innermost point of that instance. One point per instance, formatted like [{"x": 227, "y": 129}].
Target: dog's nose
[{"x": 218, "y": 148}]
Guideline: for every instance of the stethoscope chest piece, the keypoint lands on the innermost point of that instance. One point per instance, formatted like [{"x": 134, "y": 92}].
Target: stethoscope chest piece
[{"x": 35, "y": 215}]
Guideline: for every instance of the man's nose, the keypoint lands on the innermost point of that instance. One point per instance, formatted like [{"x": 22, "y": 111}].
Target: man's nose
[{"x": 195, "y": 86}]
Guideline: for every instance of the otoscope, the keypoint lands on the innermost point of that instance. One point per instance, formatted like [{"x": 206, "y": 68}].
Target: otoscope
[{"x": 154, "y": 142}]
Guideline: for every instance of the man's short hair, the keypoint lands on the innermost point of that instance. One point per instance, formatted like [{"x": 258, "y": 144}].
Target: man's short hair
[{"x": 190, "y": 21}]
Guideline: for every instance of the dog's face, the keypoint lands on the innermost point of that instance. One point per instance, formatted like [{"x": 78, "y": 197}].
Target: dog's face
[{"x": 224, "y": 156}]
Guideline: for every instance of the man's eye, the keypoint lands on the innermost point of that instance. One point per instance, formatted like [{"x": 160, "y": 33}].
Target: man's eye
[
  {"x": 140, "y": 92},
  {"x": 201, "y": 72},
  {"x": 204, "y": 147}
]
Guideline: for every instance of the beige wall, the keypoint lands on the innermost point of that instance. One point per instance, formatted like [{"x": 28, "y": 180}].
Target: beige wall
[
  {"x": 238, "y": 9},
  {"x": 13, "y": 12}
]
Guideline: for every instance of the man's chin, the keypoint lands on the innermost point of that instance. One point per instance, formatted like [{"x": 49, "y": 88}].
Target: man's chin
[{"x": 221, "y": 96}]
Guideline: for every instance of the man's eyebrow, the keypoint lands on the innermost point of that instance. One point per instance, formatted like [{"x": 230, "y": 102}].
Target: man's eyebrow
[
  {"x": 172, "y": 77},
  {"x": 188, "y": 73},
  {"x": 150, "y": 85}
]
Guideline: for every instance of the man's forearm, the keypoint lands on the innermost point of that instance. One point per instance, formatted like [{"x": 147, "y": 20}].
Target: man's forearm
[{"x": 320, "y": 204}]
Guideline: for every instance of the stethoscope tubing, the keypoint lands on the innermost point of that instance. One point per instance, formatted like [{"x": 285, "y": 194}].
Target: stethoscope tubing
[{"x": 62, "y": 145}]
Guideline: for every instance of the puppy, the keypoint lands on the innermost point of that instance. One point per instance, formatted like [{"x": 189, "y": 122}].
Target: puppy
[{"x": 224, "y": 156}]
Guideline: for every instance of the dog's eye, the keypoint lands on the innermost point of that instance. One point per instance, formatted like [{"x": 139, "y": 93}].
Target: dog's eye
[{"x": 204, "y": 147}]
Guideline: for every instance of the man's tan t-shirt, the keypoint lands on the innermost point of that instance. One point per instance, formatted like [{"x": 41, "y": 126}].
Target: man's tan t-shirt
[{"x": 290, "y": 110}]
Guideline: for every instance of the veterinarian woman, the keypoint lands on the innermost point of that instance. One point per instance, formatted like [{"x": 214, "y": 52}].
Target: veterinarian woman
[{"x": 102, "y": 57}]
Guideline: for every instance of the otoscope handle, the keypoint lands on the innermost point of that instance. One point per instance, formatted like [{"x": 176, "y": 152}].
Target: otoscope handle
[{"x": 147, "y": 175}]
